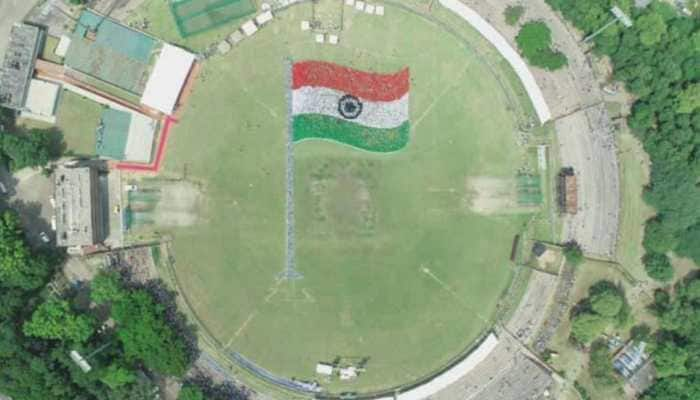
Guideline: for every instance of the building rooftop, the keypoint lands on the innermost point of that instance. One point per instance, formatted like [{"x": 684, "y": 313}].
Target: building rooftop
[
  {"x": 18, "y": 65},
  {"x": 78, "y": 211},
  {"x": 41, "y": 101}
]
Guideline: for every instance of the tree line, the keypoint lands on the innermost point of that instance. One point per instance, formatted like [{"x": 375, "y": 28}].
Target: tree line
[
  {"x": 130, "y": 333},
  {"x": 658, "y": 59}
]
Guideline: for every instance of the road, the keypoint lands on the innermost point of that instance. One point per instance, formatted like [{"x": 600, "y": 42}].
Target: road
[{"x": 11, "y": 11}]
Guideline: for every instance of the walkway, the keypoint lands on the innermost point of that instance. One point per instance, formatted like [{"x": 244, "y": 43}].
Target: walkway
[{"x": 501, "y": 44}]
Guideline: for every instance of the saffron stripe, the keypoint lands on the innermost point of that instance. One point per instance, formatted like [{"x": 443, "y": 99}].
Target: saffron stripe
[{"x": 364, "y": 85}]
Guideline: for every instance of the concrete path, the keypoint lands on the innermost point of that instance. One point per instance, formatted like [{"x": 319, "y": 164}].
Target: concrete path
[
  {"x": 11, "y": 11},
  {"x": 501, "y": 44}
]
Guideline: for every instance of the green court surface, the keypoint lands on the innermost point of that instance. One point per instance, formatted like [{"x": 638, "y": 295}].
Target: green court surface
[
  {"x": 196, "y": 16},
  {"x": 402, "y": 263},
  {"x": 113, "y": 133},
  {"x": 117, "y": 54}
]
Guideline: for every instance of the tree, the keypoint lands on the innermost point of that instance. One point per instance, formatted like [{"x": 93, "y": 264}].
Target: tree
[
  {"x": 573, "y": 254},
  {"x": 55, "y": 320},
  {"x": 512, "y": 14},
  {"x": 30, "y": 149},
  {"x": 534, "y": 41},
  {"x": 689, "y": 99},
  {"x": 689, "y": 245},
  {"x": 658, "y": 267},
  {"x": 607, "y": 303},
  {"x": 669, "y": 360},
  {"x": 658, "y": 237},
  {"x": 19, "y": 268},
  {"x": 651, "y": 28},
  {"x": 116, "y": 376},
  {"x": 586, "y": 327},
  {"x": 600, "y": 365},
  {"x": 106, "y": 287},
  {"x": 191, "y": 392}
]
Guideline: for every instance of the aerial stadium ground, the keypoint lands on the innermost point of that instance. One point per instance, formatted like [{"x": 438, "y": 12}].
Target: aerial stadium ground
[{"x": 404, "y": 255}]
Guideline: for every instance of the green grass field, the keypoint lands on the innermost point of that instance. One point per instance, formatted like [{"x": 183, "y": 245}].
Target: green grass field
[
  {"x": 398, "y": 267},
  {"x": 77, "y": 118}
]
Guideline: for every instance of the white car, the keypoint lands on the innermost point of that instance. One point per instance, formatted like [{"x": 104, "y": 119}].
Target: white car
[
  {"x": 52, "y": 201},
  {"x": 3, "y": 189},
  {"x": 44, "y": 237},
  {"x": 131, "y": 188},
  {"x": 53, "y": 223}
]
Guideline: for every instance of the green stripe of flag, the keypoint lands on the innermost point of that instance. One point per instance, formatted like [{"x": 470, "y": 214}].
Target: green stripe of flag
[{"x": 316, "y": 126}]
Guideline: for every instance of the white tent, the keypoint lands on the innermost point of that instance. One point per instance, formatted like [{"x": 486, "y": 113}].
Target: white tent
[
  {"x": 167, "y": 79},
  {"x": 41, "y": 101}
]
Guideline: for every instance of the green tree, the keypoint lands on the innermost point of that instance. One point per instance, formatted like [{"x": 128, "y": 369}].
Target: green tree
[
  {"x": 55, "y": 320},
  {"x": 145, "y": 335},
  {"x": 670, "y": 360},
  {"x": 586, "y": 327},
  {"x": 116, "y": 376},
  {"x": 573, "y": 254},
  {"x": 30, "y": 149},
  {"x": 106, "y": 288},
  {"x": 513, "y": 14},
  {"x": 658, "y": 267},
  {"x": 651, "y": 28},
  {"x": 689, "y": 245},
  {"x": 607, "y": 303},
  {"x": 689, "y": 99},
  {"x": 191, "y": 392},
  {"x": 534, "y": 41},
  {"x": 19, "y": 268},
  {"x": 658, "y": 238},
  {"x": 600, "y": 365}
]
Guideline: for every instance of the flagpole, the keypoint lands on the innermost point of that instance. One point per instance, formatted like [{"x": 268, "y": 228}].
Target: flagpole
[{"x": 290, "y": 272}]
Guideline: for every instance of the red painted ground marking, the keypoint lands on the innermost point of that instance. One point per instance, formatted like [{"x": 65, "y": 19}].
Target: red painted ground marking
[{"x": 160, "y": 153}]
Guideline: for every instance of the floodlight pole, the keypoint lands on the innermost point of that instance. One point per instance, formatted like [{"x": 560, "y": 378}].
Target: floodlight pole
[{"x": 619, "y": 16}]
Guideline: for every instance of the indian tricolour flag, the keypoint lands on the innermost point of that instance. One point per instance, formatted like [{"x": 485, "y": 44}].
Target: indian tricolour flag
[{"x": 362, "y": 109}]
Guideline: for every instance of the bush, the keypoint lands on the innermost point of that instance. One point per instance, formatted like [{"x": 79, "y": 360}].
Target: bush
[
  {"x": 689, "y": 245},
  {"x": 658, "y": 267},
  {"x": 586, "y": 327},
  {"x": 534, "y": 42},
  {"x": 512, "y": 14},
  {"x": 657, "y": 237},
  {"x": 573, "y": 254},
  {"x": 600, "y": 365},
  {"x": 607, "y": 304}
]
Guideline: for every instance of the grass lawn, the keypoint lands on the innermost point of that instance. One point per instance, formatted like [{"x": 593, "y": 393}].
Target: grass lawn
[
  {"x": 634, "y": 165},
  {"x": 77, "y": 118},
  {"x": 397, "y": 266},
  {"x": 161, "y": 24},
  {"x": 48, "y": 51}
]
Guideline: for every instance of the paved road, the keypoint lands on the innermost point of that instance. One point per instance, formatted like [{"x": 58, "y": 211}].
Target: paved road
[{"x": 11, "y": 11}]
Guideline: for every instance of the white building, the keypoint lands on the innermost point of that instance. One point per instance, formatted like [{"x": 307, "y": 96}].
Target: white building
[{"x": 168, "y": 78}]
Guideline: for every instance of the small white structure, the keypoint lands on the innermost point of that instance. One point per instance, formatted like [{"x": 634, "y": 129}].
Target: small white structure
[
  {"x": 359, "y": 5},
  {"x": 324, "y": 369},
  {"x": 369, "y": 8},
  {"x": 264, "y": 18},
  {"x": 320, "y": 38},
  {"x": 249, "y": 28},
  {"x": 235, "y": 38},
  {"x": 80, "y": 361},
  {"x": 379, "y": 10},
  {"x": 167, "y": 79},
  {"x": 139, "y": 143},
  {"x": 62, "y": 47},
  {"x": 265, "y": 6},
  {"x": 333, "y": 39},
  {"x": 41, "y": 101},
  {"x": 223, "y": 47},
  {"x": 305, "y": 25},
  {"x": 348, "y": 373},
  {"x": 350, "y": 3}
]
